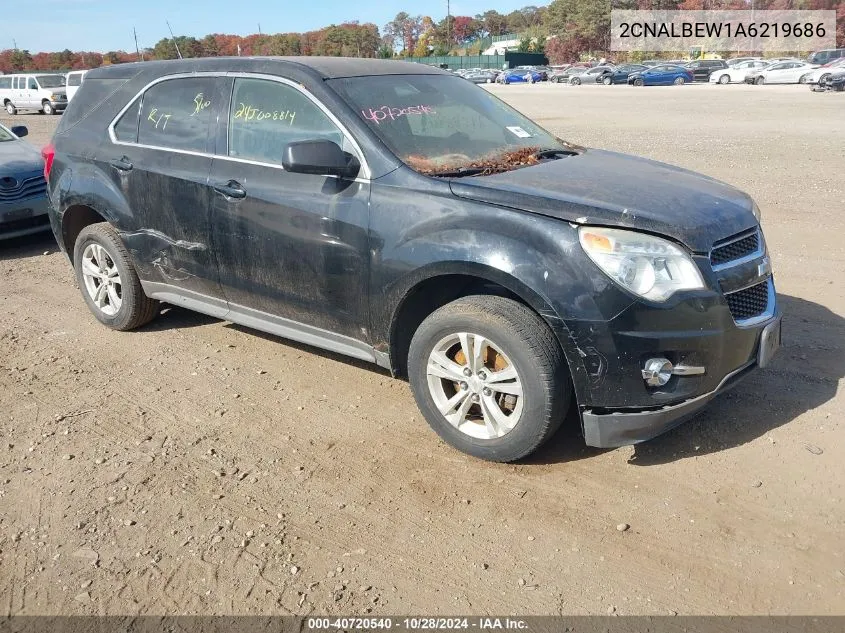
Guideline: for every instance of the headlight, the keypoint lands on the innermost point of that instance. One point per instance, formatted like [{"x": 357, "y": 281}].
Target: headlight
[{"x": 648, "y": 266}]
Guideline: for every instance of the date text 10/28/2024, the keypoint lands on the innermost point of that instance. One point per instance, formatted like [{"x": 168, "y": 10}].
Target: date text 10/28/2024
[{"x": 421, "y": 623}]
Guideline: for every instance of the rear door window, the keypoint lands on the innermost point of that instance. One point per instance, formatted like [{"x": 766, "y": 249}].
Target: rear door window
[
  {"x": 5, "y": 83},
  {"x": 176, "y": 114},
  {"x": 74, "y": 79}
]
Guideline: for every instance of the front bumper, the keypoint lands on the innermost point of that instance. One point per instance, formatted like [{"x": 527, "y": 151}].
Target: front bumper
[
  {"x": 611, "y": 428},
  {"x": 23, "y": 217},
  {"x": 59, "y": 106}
]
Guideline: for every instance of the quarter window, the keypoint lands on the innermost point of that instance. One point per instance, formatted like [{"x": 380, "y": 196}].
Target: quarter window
[
  {"x": 176, "y": 114},
  {"x": 126, "y": 129},
  {"x": 267, "y": 115}
]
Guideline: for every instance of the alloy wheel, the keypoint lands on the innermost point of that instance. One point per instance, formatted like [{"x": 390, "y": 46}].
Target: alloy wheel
[
  {"x": 475, "y": 386},
  {"x": 102, "y": 279}
]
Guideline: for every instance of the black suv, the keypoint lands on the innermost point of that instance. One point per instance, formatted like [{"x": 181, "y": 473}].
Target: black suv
[
  {"x": 702, "y": 69},
  {"x": 395, "y": 213}
]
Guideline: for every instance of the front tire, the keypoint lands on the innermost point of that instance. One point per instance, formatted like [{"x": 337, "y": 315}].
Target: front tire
[
  {"x": 47, "y": 108},
  {"x": 489, "y": 377},
  {"x": 725, "y": 79},
  {"x": 679, "y": 81},
  {"x": 575, "y": 81},
  {"x": 607, "y": 81},
  {"x": 823, "y": 79},
  {"x": 108, "y": 281},
  {"x": 760, "y": 81},
  {"x": 639, "y": 82}
]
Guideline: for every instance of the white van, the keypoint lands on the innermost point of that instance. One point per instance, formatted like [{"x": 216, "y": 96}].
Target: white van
[
  {"x": 74, "y": 80},
  {"x": 29, "y": 91}
]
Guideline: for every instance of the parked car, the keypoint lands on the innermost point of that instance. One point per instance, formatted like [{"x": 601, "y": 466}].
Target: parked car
[
  {"x": 542, "y": 70},
  {"x": 620, "y": 74},
  {"x": 508, "y": 274},
  {"x": 664, "y": 75},
  {"x": 591, "y": 75},
  {"x": 23, "y": 191},
  {"x": 825, "y": 56},
  {"x": 819, "y": 75},
  {"x": 74, "y": 80},
  {"x": 569, "y": 73},
  {"x": 780, "y": 73},
  {"x": 44, "y": 93},
  {"x": 737, "y": 72},
  {"x": 739, "y": 60},
  {"x": 702, "y": 69},
  {"x": 835, "y": 81},
  {"x": 482, "y": 77},
  {"x": 519, "y": 76}
]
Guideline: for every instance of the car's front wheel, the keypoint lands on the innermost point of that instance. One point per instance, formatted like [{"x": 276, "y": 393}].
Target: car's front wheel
[
  {"x": 760, "y": 81},
  {"x": 823, "y": 79},
  {"x": 639, "y": 82},
  {"x": 575, "y": 81},
  {"x": 47, "y": 108},
  {"x": 679, "y": 81},
  {"x": 725, "y": 79},
  {"x": 489, "y": 377},
  {"x": 108, "y": 281}
]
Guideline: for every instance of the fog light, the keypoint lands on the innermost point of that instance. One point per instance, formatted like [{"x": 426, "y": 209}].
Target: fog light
[{"x": 657, "y": 372}]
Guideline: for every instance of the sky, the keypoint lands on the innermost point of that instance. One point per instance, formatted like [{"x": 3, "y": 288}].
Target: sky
[{"x": 104, "y": 25}]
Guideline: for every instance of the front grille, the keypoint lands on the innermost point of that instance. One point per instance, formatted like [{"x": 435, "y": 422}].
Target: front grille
[
  {"x": 29, "y": 188},
  {"x": 735, "y": 249},
  {"x": 24, "y": 223},
  {"x": 750, "y": 302}
]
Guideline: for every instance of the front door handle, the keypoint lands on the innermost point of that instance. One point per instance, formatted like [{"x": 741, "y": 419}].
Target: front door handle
[
  {"x": 231, "y": 189},
  {"x": 122, "y": 164}
]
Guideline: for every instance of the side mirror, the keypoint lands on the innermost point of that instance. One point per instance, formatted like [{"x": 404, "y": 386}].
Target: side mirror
[
  {"x": 20, "y": 131},
  {"x": 319, "y": 157}
]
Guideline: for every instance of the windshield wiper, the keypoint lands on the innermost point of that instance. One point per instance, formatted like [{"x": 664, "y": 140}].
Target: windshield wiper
[
  {"x": 460, "y": 172},
  {"x": 553, "y": 153}
]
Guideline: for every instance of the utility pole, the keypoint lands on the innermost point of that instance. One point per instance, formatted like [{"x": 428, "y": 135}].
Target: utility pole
[
  {"x": 14, "y": 44},
  {"x": 448, "y": 26},
  {"x": 173, "y": 37},
  {"x": 259, "y": 28},
  {"x": 137, "y": 50}
]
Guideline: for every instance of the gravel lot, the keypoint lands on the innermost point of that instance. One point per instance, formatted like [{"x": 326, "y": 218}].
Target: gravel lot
[{"x": 197, "y": 467}]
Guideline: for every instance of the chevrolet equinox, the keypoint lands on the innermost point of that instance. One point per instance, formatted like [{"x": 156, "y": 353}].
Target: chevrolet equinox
[{"x": 396, "y": 213}]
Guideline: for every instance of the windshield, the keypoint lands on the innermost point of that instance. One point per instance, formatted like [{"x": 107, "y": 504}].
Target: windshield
[
  {"x": 441, "y": 125},
  {"x": 51, "y": 81},
  {"x": 5, "y": 135}
]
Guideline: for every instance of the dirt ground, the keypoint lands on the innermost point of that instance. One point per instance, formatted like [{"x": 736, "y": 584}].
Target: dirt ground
[{"x": 197, "y": 467}]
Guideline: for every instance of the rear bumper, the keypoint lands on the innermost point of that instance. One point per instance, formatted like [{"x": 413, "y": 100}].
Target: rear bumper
[{"x": 23, "y": 217}]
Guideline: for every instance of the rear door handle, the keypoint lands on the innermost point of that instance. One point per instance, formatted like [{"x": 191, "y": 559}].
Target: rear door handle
[
  {"x": 122, "y": 164},
  {"x": 231, "y": 189}
]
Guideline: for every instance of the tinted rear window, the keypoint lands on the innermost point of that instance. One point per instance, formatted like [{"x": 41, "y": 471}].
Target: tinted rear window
[{"x": 90, "y": 96}]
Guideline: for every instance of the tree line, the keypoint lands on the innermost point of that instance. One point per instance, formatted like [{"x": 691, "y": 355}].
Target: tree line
[{"x": 564, "y": 30}]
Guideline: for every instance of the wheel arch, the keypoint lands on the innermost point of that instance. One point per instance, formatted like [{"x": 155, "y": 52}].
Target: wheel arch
[
  {"x": 435, "y": 285},
  {"x": 75, "y": 218}
]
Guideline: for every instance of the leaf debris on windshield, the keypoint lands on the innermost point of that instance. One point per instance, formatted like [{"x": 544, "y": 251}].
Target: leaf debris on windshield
[{"x": 489, "y": 164}]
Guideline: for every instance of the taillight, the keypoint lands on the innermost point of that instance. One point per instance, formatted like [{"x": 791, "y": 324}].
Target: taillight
[{"x": 48, "y": 153}]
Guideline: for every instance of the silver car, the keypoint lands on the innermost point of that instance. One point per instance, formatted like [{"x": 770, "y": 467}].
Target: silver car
[{"x": 23, "y": 191}]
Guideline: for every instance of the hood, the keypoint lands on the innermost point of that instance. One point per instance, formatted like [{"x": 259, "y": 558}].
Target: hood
[
  {"x": 611, "y": 189},
  {"x": 19, "y": 157}
]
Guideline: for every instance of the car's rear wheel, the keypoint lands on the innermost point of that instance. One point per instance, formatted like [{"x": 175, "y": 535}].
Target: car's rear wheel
[
  {"x": 489, "y": 377},
  {"x": 725, "y": 79},
  {"x": 679, "y": 81},
  {"x": 47, "y": 108},
  {"x": 760, "y": 81},
  {"x": 823, "y": 79},
  {"x": 11, "y": 109},
  {"x": 607, "y": 81},
  {"x": 639, "y": 82},
  {"x": 108, "y": 281}
]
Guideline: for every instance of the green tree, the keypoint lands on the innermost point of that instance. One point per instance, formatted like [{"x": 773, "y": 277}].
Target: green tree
[{"x": 20, "y": 59}]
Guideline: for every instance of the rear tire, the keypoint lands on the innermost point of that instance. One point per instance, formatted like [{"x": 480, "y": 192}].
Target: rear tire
[
  {"x": 500, "y": 335},
  {"x": 760, "y": 81},
  {"x": 607, "y": 81},
  {"x": 823, "y": 79},
  {"x": 11, "y": 109},
  {"x": 679, "y": 81},
  {"x": 575, "y": 81},
  {"x": 639, "y": 82},
  {"x": 123, "y": 306}
]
